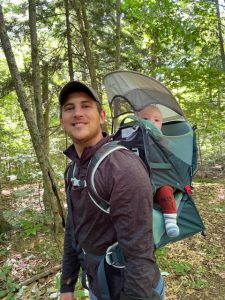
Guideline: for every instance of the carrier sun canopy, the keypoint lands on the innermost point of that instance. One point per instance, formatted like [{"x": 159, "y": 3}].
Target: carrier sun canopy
[{"x": 130, "y": 91}]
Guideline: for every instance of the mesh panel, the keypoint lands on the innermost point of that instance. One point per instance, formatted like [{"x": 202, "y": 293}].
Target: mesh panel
[{"x": 120, "y": 106}]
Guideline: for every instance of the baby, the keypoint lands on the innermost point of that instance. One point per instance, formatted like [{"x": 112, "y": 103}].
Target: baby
[{"x": 164, "y": 195}]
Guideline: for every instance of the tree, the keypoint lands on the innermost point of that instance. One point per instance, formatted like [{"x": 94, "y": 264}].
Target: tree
[
  {"x": 80, "y": 8},
  {"x": 48, "y": 174},
  {"x": 69, "y": 41},
  {"x": 220, "y": 35},
  {"x": 118, "y": 33}
]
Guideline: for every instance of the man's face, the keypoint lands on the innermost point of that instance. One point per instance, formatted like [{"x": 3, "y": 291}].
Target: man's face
[
  {"x": 153, "y": 114},
  {"x": 81, "y": 119}
]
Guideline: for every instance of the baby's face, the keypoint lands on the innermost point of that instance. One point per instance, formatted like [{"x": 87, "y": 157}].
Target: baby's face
[{"x": 152, "y": 114}]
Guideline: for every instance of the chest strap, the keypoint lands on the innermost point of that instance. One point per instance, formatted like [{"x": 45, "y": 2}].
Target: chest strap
[{"x": 76, "y": 182}]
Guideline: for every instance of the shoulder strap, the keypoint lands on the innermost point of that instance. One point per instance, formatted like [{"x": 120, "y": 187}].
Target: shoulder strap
[
  {"x": 196, "y": 151},
  {"x": 68, "y": 173},
  {"x": 94, "y": 163},
  {"x": 70, "y": 176}
]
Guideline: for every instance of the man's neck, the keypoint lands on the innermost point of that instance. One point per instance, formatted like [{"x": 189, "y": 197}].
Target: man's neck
[{"x": 81, "y": 146}]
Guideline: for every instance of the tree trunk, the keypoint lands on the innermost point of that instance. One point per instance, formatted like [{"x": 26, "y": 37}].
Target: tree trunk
[
  {"x": 69, "y": 42},
  {"x": 220, "y": 35},
  {"x": 43, "y": 128},
  {"x": 48, "y": 174},
  {"x": 46, "y": 104},
  {"x": 4, "y": 225},
  {"x": 117, "y": 57},
  {"x": 118, "y": 31},
  {"x": 80, "y": 9},
  {"x": 36, "y": 68}
]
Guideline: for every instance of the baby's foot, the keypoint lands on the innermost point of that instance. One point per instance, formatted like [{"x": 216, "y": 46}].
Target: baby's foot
[{"x": 172, "y": 229}]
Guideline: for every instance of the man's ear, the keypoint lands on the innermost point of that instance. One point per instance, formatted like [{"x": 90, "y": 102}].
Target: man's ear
[
  {"x": 102, "y": 117},
  {"x": 61, "y": 124}
]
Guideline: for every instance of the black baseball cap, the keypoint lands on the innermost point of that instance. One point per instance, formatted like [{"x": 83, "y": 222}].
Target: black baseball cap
[{"x": 76, "y": 86}]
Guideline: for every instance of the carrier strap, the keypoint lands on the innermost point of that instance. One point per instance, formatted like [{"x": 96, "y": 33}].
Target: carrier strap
[
  {"x": 162, "y": 166},
  {"x": 94, "y": 163},
  {"x": 102, "y": 281},
  {"x": 114, "y": 257}
]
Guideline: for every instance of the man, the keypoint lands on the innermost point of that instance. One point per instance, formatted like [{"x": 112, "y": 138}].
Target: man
[{"x": 123, "y": 181}]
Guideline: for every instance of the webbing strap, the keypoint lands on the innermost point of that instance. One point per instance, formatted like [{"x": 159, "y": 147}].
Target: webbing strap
[
  {"x": 70, "y": 216},
  {"x": 84, "y": 279},
  {"x": 102, "y": 281},
  {"x": 163, "y": 166},
  {"x": 114, "y": 257}
]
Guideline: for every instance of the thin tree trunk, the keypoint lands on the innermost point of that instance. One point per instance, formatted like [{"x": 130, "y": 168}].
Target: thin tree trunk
[
  {"x": 4, "y": 225},
  {"x": 79, "y": 6},
  {"x": 37, "y": 89},
  {"x": 153, "y": 58},
  {"x": 220, "y": 35},
  {"x": 117, "y": 56},
  {"x": 69, "y": 41},
  {"x": 118, "y": 31},
  {"x": 46, "y": 104},
  {"x": 48, "y": 174},
  {"x": 36, "y": 68},
  {"x": 219, "y": 98}
]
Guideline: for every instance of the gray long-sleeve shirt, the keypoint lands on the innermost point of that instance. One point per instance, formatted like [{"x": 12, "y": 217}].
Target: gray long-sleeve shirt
[{"x": 121, "y": 179}]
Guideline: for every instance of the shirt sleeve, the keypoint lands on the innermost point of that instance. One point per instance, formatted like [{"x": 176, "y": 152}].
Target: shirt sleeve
[
  {"x": 131, "y": 214},
  {"x": 70, "y": 266}
]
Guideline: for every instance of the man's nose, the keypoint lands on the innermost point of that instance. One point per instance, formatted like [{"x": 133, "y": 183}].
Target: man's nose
[{"x": 77, "y": 112}]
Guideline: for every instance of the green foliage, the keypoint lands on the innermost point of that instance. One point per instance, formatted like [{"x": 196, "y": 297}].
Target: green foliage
[
  {"x": 217, "y": 207},
  {"x": 7, "y": 284},
  {"x": 173, "y": 41},
  {"x": 80, "y": 294},
  {"x": 31, "y": 222},
  {"x": 30, "y": 228},
  {"x": 3, "y": 238},
  {"x": 181, "y": 268},
  {"x": 57, "y": 281},
  {"x": 212, "y": 252},
  {"x": 161, "y": 252},
  {"x": 3, "y": 241},
  {"x": 199, "y": 283}
]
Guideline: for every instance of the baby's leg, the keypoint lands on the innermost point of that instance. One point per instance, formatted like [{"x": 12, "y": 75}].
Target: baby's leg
[{"x": 165, "y": 198}]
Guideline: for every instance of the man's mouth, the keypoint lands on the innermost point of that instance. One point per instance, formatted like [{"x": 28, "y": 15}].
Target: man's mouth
[{"x": 78, "y": 124}]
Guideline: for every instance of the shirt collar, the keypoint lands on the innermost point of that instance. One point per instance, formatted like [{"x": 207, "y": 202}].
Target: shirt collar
[{"x": 88, "y": 152}]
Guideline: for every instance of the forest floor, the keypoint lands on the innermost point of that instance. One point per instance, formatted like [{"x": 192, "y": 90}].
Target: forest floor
[{"x": 193, "y": 268}]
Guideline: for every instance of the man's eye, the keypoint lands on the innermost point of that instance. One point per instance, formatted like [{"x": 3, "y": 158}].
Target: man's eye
[{"x": 68, "y": 108}]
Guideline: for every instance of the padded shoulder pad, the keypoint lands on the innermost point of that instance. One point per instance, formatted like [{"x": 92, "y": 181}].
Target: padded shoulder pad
[{"x": 94, "y": 163}]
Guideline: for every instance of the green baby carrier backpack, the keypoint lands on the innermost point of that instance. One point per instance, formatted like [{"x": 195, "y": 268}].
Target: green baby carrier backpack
[{"x": 170, "y": 155}]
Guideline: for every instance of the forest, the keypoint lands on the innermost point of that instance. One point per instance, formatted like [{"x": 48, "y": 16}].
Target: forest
[{"x": 47, "y": 43}]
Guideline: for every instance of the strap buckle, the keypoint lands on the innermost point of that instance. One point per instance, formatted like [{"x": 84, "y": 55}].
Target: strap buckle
[
  {"x": 78, "y": 182},
  {"x": 114, "y": 256}
]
